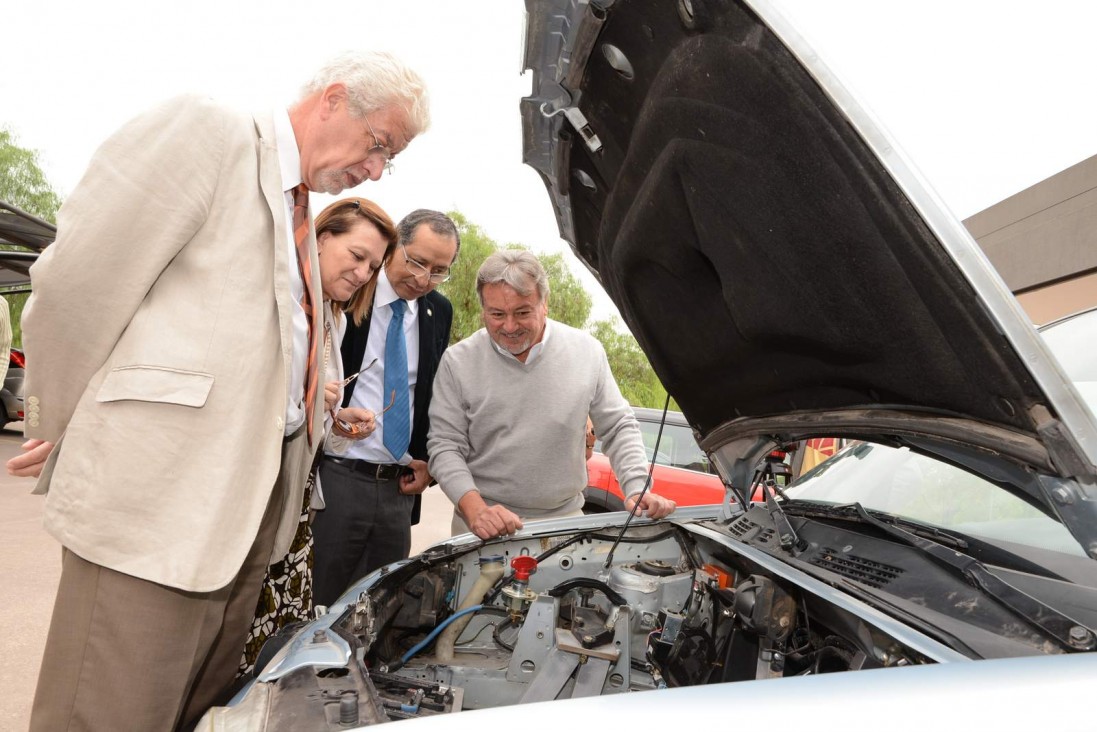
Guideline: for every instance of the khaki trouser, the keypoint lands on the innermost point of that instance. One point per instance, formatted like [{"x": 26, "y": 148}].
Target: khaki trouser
[{"x": 128, "y": 654}]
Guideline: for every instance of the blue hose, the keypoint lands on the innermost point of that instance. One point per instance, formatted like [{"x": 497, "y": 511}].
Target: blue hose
[{"x": 434, "y": 633}]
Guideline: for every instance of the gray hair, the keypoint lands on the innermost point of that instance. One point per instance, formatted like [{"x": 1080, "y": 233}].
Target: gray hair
[
  {"x": 515, "y": 267},
  {"x": 438, "y": 222},
  {"x": 376, "y": 80}
]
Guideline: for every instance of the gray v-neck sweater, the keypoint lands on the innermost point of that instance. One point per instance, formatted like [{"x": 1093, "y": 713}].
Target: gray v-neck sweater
[{"x": 515, "y": 431}]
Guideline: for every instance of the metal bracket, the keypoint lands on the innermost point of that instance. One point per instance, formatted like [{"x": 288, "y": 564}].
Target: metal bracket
[
  {"x": 579, "y": 122},
  {"x": 558, "y": 668}
]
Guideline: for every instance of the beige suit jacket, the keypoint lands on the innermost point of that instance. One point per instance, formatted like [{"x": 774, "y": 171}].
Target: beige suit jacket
[{"x": 158, "y": 341}]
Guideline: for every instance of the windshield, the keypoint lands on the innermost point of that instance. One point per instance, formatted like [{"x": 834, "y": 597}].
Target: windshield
[
  {"x": 677, "y": 448},
  {"x": 905, "y": 484},
  {"x": 1071, "y": 340}
]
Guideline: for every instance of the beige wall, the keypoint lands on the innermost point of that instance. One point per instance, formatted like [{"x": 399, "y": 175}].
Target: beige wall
[
  {"x": 1043, "y": 242},
  {"x": 1045, "y": 304}
]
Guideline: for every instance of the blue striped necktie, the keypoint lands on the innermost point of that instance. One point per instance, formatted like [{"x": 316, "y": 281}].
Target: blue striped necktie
[{"x": 397, "y": 421}]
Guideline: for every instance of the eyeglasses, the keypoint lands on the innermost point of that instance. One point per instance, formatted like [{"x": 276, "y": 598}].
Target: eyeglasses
[
  {"x": 352, "y": 430},
  {"x": 355, "y": 375},
  {"x": 378, "y": 149},
  {"x": 418, "y": 269}
]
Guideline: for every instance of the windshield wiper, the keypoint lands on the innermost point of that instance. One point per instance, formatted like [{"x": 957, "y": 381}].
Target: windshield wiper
[
  {"x": 847, "y": 512},
  {"x": 1070, "y": 634}
]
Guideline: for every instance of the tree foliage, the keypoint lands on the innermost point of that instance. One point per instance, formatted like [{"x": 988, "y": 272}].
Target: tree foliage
[
  {"x": 568, "y": 301},
  {"x": 461, "y": 287},
  {"x": 634, "y": 375},
  {"x": 22, "y": 182},
  {"x": 24, "y": 185}
]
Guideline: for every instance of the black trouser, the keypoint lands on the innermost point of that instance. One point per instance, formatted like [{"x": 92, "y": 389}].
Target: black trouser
[{"x": 366, "y": 524}]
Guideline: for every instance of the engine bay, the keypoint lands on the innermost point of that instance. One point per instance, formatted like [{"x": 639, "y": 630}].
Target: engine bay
[{"x": 535, "y": 619}]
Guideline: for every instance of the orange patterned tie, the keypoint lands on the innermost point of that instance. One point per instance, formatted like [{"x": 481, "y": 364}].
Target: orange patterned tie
[{"x": 301, "y": 238}]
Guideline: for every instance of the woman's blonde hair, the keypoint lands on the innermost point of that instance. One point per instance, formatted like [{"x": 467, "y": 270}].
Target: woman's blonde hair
[{"x": 339, "y": 218}]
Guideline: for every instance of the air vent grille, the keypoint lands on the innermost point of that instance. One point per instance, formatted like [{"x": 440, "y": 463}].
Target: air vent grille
[
  {"x": 865, "y": 571},
  {"x": 746, "y": 530},
  {"x": 742, "y": 527}
]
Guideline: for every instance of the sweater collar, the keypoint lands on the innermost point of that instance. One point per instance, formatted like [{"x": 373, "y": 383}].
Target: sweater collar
[{"x": 534, "y": 352}]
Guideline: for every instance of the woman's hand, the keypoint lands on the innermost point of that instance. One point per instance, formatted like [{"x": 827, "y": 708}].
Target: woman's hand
[
  {"x": 355, "y": 423},
  {"x": 331, "y": 395}
]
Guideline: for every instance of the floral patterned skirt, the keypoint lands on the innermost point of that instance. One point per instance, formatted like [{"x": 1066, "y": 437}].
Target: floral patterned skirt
[{"x": 286, "y": 594}]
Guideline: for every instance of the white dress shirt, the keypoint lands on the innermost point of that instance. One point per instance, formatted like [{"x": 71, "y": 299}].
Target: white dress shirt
[
  {"x": 289, "y": 160},
  {"x": 534, "y": 351},
  {"x": 370, "y": 384}
]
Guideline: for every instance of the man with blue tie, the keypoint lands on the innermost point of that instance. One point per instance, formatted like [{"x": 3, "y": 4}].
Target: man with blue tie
[{"x": 371, "y": 490}]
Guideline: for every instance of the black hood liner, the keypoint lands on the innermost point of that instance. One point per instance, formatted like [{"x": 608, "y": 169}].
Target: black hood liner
[{"x": 762, "y": 256}]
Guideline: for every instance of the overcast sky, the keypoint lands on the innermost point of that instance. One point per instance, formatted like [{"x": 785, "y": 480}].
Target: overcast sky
[{"x": 986, "y": 97}]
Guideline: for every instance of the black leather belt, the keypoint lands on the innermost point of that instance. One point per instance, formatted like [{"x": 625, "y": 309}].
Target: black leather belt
[{"x": 377, "y": 471}]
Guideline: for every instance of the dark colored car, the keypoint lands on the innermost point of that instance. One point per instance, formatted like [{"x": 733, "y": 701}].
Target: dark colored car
[
  {"x": 24, "y": 236},
  {"x": 939, "y": 573}
]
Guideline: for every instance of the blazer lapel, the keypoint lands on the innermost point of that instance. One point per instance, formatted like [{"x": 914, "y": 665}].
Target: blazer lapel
[
  {"x": 427, "y": 353},
  {"x": 353, "y": 349},
  {"x": 270, "y": 183}
]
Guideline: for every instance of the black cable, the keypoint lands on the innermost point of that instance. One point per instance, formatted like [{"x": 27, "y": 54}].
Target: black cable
[
  {"x": 509, "y": 622},
  {"x": 489, "y": 611},
  {"x": 636, "y": 539},
  {"x": 843, "y": 655},
  {"x": 647, "y": 484},
  {"x": 590, "y": 583},
  {"x": 687, "y": 550},
  {"x": 460, "y": 643}
]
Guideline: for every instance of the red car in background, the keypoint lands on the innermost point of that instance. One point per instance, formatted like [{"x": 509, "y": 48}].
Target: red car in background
[
  {"x": 11, "y": 391},
  {"x": 682, "y": 471}
]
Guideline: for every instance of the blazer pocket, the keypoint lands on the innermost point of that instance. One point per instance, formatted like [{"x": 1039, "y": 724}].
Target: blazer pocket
[{"x": 156, "y": 384}]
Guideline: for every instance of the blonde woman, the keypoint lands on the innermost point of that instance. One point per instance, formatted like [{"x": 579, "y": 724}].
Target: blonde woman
[{"x": 354, "y": 239}]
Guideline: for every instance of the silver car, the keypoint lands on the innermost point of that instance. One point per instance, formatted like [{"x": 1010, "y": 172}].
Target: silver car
[{"x": 789, "y": 276}]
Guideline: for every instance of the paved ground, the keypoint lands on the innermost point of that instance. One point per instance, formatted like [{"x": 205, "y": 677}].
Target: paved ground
[{"x": 33, "y": 563}]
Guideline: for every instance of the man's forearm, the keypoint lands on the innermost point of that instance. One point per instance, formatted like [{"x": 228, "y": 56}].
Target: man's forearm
[
  {"x": 470, "y": 506},
  {"x": 451, "y": 472}
]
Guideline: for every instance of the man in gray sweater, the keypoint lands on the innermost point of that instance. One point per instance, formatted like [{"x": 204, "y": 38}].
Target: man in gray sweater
[{"x": 510, "y": 408}]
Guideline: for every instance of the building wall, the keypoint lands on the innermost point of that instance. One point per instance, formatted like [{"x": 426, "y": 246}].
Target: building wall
[
  {"x": 1043, "y": 241},
  {"x": 1045, "y": 304}
]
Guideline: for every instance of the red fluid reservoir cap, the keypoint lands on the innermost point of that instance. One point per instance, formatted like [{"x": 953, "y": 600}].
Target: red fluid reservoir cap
[{"x": 523, "y": 566}]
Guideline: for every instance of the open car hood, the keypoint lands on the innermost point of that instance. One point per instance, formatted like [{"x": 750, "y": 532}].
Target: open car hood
[
  {"x": 783, "y": 266},
  {"x": 31, "y": 235}
]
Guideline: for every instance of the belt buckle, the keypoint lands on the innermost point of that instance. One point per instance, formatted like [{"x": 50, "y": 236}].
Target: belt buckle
[{"x": 387, "y": 471}]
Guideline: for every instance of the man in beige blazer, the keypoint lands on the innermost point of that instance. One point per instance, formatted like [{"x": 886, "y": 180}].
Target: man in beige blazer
[{"x": 166, "y": 349}]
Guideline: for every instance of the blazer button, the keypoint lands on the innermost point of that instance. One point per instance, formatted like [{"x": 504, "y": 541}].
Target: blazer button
[
  {"x": 32, "y": 400},
  {"x": 33, "y": 420},
  {"x": 280, "y": 424}
]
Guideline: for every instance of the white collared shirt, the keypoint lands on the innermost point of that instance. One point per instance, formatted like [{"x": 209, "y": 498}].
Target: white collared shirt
[
  {"x": 534, "y": 351},
  {"x": 289, "y": 162},
  {"x": 370, "y": 384}
]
